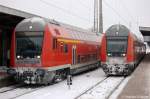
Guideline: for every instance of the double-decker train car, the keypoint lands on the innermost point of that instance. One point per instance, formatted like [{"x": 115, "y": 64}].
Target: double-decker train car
[
  {"x": 43, "y": 50},
  {"x": 121, "y": 51}
]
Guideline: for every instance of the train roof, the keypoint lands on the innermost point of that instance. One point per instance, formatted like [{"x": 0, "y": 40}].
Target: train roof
[
  {"x": 117, "y": 30},
  {"x": 31, "y": 24},
  {"x": 120, "y": 30},
  {"x": 38, "y": 24}
]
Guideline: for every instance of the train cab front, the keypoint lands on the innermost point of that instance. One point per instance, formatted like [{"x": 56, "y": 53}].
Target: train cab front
[
  {"x": 116, "y": 55},
  {"x": 116, "y": 39},
  {"x": 27, "y": 50}
]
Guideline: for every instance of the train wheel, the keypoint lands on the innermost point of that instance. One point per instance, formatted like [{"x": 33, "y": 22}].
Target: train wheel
[
  {"x": 60, "y": 75},
  {"x": 49, "y": 77}
]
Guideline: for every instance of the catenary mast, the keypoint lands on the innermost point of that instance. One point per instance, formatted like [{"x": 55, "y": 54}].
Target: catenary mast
[{"x": 98, "y": 17}]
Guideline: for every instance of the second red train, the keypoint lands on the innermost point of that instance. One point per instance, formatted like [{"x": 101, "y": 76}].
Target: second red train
[{"x": 121, "y": 51}]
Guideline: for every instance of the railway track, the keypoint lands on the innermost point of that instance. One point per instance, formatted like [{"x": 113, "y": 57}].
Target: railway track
[
  {"x": 10, "y": 87},
  {"x": 115, "y": 88},
  {"x": 103, "y": 89},
  {"x": 14, "y": 91},
  {"x": 91, "y": 88}
]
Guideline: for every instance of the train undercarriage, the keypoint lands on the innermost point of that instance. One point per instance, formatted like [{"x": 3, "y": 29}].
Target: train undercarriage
[
  {"x": 39, "y": 76},
  {"x": 118, "y": 69},
  {"x": 30, "y": 75}
]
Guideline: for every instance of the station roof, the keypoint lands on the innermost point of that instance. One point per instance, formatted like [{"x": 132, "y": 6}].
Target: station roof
[
  {"x": 145, "y": 31},
  {"x": 11, "y": 11},
  {"x": 9, "y": 17}
]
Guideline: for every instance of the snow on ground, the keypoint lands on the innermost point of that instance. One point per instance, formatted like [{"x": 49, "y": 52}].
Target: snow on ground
[
  {"x": 60, "y": 90},
  {"x": 16, "y": 92},
  {"x": 104, "y": 89},
  {"x": 120, "y": 88},
  {"x": 7, "y": 88}
]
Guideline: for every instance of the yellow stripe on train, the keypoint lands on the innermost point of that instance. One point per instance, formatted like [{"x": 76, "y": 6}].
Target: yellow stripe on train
[{"x": 68, "y": 41}]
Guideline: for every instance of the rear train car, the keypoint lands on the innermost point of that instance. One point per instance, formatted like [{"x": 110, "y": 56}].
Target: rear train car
[
  {"x": 121, "y": 51},
  {"x": 43, "y": 51}
]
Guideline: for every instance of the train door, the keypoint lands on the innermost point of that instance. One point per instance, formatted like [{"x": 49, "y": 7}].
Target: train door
[{"x": 74, "y": 54}]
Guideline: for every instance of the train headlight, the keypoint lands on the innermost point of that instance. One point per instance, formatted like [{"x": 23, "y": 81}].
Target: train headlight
[
  {"x": 109, "y": 54},
  {"x": 18, "y": 57},
  {"x": 123, "y": 54},
  {"x": 38, "y": 57}
]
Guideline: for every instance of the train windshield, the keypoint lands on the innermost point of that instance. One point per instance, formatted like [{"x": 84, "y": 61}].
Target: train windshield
[
  {"x": 28, "y": 44},
  {"x": 116, "y": 45}
]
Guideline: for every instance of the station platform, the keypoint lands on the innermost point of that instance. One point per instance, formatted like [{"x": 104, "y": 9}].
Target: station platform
[{"x": 138, "y": 87}]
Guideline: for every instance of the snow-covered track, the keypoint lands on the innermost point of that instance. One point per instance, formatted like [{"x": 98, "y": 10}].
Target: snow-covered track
[
  {"x": 10, "y": 87},
  {"x": 103, "y": 89},
  {"x": 116, "y": 87},
  {"x": 91, "y": 88},
  {"x": 91, "y": 85},
  {"x": 19, "y": 91}
]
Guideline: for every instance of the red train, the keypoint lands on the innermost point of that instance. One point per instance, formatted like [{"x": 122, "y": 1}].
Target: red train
[
  {"x": 121, "y": 51},
  {"x": 43, "y": 51}
]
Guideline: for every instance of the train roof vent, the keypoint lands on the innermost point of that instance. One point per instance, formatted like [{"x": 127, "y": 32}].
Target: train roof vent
[
  {"x": 57, "y": 31},
  {"x": 54, "y": 22},
  {"x": 117, "y": 30}
]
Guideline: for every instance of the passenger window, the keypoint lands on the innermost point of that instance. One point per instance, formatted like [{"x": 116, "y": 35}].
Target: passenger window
[
  {"x": 54, "y": 43},
  {"x": 78, "y": 58},
  {"x": 65, "y": 48}
]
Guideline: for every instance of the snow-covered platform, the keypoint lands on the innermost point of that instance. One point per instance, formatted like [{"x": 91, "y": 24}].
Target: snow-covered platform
[{"x": 138, "y": 87}]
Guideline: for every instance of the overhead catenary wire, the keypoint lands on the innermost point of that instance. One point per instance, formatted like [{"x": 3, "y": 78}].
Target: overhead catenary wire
[
  {"x": 134, "y": 20},
  {"x": 83, "y": 4},
  {"x": 88, "y": 9},
  {"x": 124, "y": 6},
  {"x": 108, "y": 5},
  {"x": 129, "y": 13},
  {"x": 64, "y": 10}
]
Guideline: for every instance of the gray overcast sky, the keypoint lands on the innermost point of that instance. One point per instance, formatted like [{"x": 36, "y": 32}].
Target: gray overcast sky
[{"x": 80, "y": 12}]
